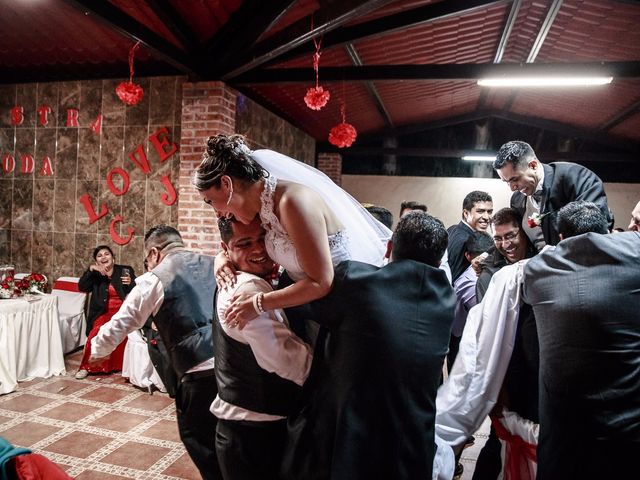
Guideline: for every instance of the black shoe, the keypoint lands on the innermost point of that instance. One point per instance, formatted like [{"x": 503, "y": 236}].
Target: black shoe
[{"x": 459, "y": 470}]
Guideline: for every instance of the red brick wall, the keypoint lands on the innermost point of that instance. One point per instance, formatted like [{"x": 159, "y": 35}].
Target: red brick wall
[
  {"x": 208, "y": 108},
  {"x": 331, "y": 165}
]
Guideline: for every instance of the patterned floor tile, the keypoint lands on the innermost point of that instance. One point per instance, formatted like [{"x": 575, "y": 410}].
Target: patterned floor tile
[
  {"x": 69, "y": 412},
  {"x": 184, "y": 468},
  {"x": 119, "y": 421},
  {"x": 163, "y": 430},
  {"x": 63, "y": 387},
  {"x": 153, "y": 402},
  {"x": 78, "y": 444},
  {"x": 135, "y": 455},
  {"x": 93, "y": 475},
  {"x": 23, "y": 402},
  {"x": 25, "y": 434},
  {"x": 106, "y": 394}
]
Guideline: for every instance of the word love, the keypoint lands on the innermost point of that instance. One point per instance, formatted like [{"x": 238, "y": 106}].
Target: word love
[{"x": 165, "y": 149}]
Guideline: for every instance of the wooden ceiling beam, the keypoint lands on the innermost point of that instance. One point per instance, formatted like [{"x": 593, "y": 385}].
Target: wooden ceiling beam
[
  {"x": 175, "y": 23},
  {"x": 328, "y": 18},
  {"x": 114, "y": 18},
  {"x": 467, "y": 71}
]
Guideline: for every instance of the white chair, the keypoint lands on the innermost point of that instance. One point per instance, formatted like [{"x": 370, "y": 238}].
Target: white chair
[
  {"x": 71, "y": 309},
  {"x": 137, "y": 366}
]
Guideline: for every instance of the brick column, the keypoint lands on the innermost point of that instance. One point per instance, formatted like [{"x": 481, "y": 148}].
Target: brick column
[
  {"x": 331, "y": 165},
  {"x": 208, "y": 108}
]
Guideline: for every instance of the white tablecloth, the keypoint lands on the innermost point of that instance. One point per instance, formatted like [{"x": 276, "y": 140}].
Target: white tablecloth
[
  {"x": 136, "y": 364},
  {"x": 30, "y": 342}
]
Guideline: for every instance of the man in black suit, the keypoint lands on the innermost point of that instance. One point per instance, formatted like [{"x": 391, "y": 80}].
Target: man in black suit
[
  {"x": 477, "y": 208},
  {"x": 585, "y": 294},
  {"x": 540, "y": 190},
  {"x": 371, "y": 393}
]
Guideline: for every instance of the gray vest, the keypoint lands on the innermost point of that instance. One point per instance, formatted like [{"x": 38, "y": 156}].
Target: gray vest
[{"x": 184, "y": 319}]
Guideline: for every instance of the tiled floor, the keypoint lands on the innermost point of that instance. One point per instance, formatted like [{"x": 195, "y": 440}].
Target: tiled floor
[
  {"x": 99, "y": 428},
  {"x": 102, "y": 428}
]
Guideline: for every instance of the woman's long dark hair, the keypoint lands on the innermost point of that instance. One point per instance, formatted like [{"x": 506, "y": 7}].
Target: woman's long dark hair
[{"x": 226, "y": 155}]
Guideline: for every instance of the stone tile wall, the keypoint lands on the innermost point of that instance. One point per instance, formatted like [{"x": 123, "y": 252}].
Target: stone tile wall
[{"x": 43, "y": 226}]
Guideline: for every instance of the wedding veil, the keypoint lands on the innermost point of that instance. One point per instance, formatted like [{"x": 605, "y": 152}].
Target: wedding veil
[{"x": 367, "y": 237}]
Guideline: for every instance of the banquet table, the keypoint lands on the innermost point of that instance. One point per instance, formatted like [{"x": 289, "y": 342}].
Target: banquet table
[{"x": 30, "y": 341}]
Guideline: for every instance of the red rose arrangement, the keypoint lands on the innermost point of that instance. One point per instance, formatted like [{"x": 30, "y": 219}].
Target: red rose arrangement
[{"x": 12, "y": 287}]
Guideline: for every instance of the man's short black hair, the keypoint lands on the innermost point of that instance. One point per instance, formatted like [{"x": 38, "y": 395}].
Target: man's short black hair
[
  {"x": 225, "y": 225},
  {"x": 413, "y": 205},
  {"x": 420, "y": 237},
  {"x": 162, "y": 236},
  {"x": 580, "y": 217},
  {"x": 381, "y": 214},
  {"x": 516, "y": 152},
  {"x": 506, "y": 216},
  {"x": 477, "y": 243},
  {"x": 474, "y": 197}
]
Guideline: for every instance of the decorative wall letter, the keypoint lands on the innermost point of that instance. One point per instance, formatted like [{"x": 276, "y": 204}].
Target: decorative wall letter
[
  {"x": 8, "y": 163},
  {"x": 85, "y": 200},
  {"x": 27, "y": 163},
  {"x": 170, "y": 197},
  {"x": 96, "y": 126},
  {"x": 139, "y": 157},
  {"x": 72, "y": 117},
  {"x": 47, "y": 169},
  {"x": 160, "y": 143},
  {"x": 115, "y": 236},
  {"x": 43, "y": 112},
  {"x": 125, "y": 181},
  {"x": 17, "y": 115}
]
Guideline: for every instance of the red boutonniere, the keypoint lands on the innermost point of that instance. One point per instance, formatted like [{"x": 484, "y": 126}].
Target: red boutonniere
[{"x": 535, "y": 219}]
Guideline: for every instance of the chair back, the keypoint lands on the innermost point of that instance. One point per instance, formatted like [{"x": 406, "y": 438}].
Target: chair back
[{"x": 71, "y": 309}]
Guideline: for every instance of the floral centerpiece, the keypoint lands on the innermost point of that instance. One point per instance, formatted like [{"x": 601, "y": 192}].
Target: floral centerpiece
[{"x": 12, "y": 287}]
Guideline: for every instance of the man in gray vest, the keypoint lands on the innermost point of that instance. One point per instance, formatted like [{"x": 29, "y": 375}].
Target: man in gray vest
[
  {"x": 260, "y": 369},
  {"x": 177, "y": 292}
]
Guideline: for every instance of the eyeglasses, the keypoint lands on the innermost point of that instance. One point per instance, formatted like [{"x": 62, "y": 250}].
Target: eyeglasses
[{"x": 509, "y": 237}]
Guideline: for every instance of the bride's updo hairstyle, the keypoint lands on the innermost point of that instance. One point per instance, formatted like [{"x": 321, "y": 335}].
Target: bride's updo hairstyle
[{"x": 226, "y": 155}]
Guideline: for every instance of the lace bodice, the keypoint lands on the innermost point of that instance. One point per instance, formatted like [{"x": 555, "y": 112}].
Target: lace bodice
[{"x": 278, "y": 243}]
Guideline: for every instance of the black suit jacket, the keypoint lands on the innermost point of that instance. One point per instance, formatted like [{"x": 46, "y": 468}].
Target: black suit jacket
[
  {"x": 98, "y": 285},
  {"x": 458, "y": 236},
  {"x": 585, "y": 294},
  {"x": 372, "y": 389},
  {"x": 564, "y": 183}
]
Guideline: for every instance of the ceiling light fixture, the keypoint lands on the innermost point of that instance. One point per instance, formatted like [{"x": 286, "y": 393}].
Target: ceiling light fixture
[
  {"x": 479, "y": 158},
  {"x": 544, "y": 81}
]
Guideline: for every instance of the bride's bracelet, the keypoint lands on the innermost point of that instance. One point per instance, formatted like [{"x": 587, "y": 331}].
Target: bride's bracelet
[{"x": 257, "y": 303}]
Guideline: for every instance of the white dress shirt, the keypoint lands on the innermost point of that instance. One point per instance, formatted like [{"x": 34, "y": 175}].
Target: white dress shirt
[
  {"x": 144, "y": 300},
  {"x": 276, "y": 348}
]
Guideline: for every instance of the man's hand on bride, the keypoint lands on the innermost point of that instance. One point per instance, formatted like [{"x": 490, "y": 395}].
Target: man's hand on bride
[
  {"x": 240, "y": 311},
  {"x": 224, "y": 271}
]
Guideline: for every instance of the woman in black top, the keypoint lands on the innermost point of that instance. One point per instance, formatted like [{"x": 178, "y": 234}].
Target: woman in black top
[{"x": 108, "y": 284}]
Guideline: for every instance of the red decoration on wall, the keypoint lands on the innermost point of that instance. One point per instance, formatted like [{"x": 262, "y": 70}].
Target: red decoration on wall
[
  {"x": 139, "y": 157},
  {"x": 43, "y": 112},
  {"x": 160, "y": 143},
  {"x": 47, "y": 169},
  {"x": 129, "y": 92},
  {"x": 125, "y": 181},
  {"x": 96, "y": 126},
  {"x": 115, "y": 236},
  {"x": 17, "y": 115},
  {"x": 72, "y": 117},
  {"x": 317, "y": 97},
  {"x": 8, "y": 163},
  {"x": 343, "y": 134},
  {"x": 85, "y": 200},
  {"x": 27, "y": 163},
  {"x": 170, "y": 197}
]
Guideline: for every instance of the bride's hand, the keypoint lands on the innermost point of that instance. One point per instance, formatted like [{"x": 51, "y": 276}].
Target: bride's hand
[
  {"x": 240, "y": 311},
  {"x": 224, "y": 271}
]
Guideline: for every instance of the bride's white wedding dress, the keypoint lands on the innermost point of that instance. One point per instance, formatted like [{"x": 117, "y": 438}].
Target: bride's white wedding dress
[{"x": 362, "y": 238}]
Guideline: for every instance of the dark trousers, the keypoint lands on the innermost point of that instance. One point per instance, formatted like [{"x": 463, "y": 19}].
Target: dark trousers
[
  {"x": 250, "y": 450},
  {"x": 197, "y": 425},
  {"x": 489, "y": 463}
]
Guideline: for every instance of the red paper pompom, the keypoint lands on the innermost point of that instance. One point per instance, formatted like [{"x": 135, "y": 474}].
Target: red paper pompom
[
  {"x": 343, "y": 135},
  {"x": 129, "y": 92},
  {"x": 316, "y": 98}
]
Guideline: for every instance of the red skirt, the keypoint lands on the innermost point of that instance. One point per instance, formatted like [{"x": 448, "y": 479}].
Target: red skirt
[{"x": 114, "y": 362}]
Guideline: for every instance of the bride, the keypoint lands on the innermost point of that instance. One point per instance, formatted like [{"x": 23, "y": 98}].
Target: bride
[{"x": 311, "y": 223}]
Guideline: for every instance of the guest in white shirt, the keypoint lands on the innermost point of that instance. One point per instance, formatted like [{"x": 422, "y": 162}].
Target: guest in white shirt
[
  {"x": 260, "y": 368},
  {"x": 177, "y": 292}
]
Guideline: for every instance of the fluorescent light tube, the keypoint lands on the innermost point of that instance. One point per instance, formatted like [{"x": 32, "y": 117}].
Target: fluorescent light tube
[
  {"x": 479, "y": 158},
  {"x": 544, "y": 81}
]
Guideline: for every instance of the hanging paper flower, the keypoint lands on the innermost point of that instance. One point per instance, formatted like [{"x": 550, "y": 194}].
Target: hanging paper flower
[
  {"x": 316, "y": 98},
  {"x": 129, "y": 92},
  {"x": 343, "y": 135}
]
